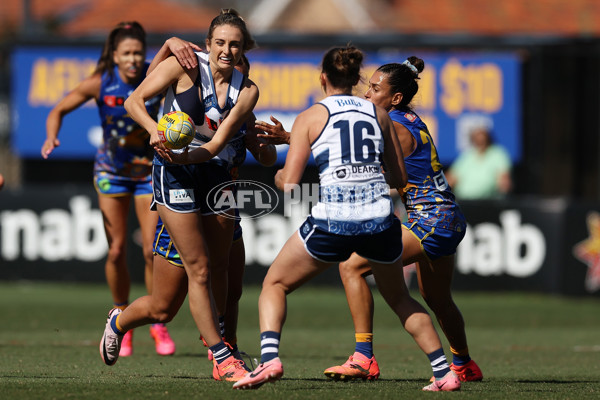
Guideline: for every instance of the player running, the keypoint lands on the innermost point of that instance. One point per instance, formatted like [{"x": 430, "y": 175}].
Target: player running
[{"x": 220, "y": 100}]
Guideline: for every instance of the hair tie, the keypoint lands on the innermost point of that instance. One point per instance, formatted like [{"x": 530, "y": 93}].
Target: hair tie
[
  {"x": 128, "y": 26},
  {"x": 412, "y": 67}
]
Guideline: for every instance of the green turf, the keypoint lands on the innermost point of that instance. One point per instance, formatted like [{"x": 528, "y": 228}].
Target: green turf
[{"x": 528, "y": 346}]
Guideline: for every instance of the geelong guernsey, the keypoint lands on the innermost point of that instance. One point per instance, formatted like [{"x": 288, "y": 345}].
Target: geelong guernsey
[
  {"x": 354, "y": 197},
  {"x": 205, "y": 110}
]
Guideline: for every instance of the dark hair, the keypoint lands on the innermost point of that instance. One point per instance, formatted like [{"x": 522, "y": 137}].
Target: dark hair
[
  {"x": 342, "y": 65},
  {"x": 402, "y": 78},
  {"x": 124, "y": 30},
  {"x": 229, "y": 16},
  {"x": 246, "y": 62}
]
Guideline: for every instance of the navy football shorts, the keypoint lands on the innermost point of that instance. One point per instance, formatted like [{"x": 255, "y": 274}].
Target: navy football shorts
[
  {"x": 384, "y": 247},
  {"x": 187, "y": 188}
]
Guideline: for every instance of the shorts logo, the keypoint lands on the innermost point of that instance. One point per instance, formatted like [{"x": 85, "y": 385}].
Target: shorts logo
[
  {"x": 181, "y": 196},
  {"x": 306, "y": 228},
  {"x": 104, "y": 185}
]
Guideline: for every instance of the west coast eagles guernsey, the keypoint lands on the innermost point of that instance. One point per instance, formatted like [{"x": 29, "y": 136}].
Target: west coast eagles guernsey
[
  {"x": 125, "y": 153},
  {"x": 205, "y": 110},
  {"x": 427, "y": 196},
  {"x": 354, "y": 197}
]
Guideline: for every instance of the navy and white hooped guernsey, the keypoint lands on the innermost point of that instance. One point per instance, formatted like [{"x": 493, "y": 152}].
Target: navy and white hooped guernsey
[
  {"x": 208, "y": 119},
  {"x": 354, "y": 197}
]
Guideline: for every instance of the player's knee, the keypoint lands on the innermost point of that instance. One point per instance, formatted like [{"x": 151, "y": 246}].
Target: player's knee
[
  {"x": 438, "y": 303},
  {"x": 348, "y": 271},
  {"x": 275, "y": 285},
  {"x": 115, "y": 253},
  {"x": 199, "y": 275},
  {"x": 148, "y": 255},
  {"x": 162, "y": 316}
]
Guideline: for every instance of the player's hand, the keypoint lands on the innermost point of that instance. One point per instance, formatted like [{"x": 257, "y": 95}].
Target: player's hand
[
  {"x": 174, "y": 158},
  {"x": 164, "y": 153},
  {"x": 273, "y": 134},
  {"x": 184, "y": 52},
  {"x": 155, "y": 141},
  {"x": 49, "y": 146}
]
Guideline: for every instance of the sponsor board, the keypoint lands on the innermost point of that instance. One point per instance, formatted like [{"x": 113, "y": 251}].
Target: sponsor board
[{"x": 534, "y": 244}]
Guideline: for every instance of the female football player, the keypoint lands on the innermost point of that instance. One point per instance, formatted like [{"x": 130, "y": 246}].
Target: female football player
[{"x": 219, "y": 99}]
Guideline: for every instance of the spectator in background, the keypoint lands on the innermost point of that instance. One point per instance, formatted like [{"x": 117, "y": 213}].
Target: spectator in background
[{"x": 482, "y": 171}]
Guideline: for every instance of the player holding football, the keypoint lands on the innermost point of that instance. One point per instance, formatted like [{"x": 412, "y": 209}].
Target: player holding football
[
  {"x": 123, "y": 166},
  {"x": 347, "y": 137},
  {"x": 226, "y": 293},
  {"x": 219, "y": 99}
]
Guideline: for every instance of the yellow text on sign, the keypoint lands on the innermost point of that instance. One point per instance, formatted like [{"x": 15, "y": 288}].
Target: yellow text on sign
[
  {"x": 470, "y": 87},
  {"x": 52, "y": 79}
]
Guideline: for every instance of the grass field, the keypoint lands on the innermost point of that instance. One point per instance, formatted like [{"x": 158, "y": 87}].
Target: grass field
[{"x": 528, "y": 346}]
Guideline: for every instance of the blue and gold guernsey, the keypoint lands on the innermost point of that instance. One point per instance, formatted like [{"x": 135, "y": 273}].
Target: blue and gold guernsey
[
  {"x": 206, "y": 112},
  {"x": 427, "y": 196},
  {"x": 125, "y": 154},
  {"x": 354, "y": 197}
]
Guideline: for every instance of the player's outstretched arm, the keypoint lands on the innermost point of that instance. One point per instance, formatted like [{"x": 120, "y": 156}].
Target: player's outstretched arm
[
  {"x": 272, "y": 134},
  {"x": 88, "y": 89}
]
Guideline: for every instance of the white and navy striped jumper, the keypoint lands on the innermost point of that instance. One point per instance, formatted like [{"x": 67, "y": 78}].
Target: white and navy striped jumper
[
  {"x": 354, "y": 197},
  {"x": 205, "y": 111}
]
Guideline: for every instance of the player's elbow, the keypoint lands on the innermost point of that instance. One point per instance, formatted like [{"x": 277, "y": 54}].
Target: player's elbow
[{"x": 128, "y": 104}]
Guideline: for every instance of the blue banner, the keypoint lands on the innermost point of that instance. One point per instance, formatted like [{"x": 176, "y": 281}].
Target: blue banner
[
  {"x": 457, "y": 91},
  {"x": 42, "y": 76}
]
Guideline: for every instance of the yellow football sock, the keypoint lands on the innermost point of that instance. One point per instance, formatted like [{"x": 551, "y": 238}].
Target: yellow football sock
[
  {"x": 117, "y": 323},
  {"x": 461, "y": 352},
  {"x": 363, "y": 337}
]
